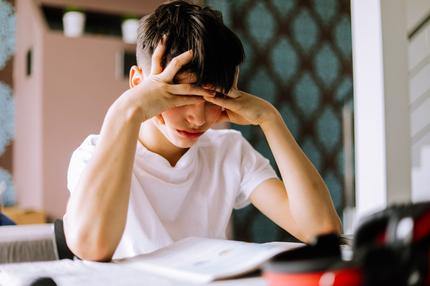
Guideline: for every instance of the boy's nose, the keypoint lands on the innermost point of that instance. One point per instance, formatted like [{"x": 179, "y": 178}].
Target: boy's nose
[{"x": 196, "y": 114}]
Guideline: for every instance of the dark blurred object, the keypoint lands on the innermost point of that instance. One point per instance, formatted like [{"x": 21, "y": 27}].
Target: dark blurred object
[
  {"x": 44, "y": 281},
  {"x": 60, "y": 241},
  {"x": 4, "y": 220},
  {"x": 393, "y": 246},
  {"x": 318, "y": 263},
  {"x": 390, "y": 247}
]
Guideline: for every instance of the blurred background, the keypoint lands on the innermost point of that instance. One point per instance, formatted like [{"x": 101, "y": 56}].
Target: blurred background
[{"x": 351, "y": 79}]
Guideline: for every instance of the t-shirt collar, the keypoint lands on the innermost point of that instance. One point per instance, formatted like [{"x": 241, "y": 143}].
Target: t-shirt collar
[{"x": 186, "y": 159}]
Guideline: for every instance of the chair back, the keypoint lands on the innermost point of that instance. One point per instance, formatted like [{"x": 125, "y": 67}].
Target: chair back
[{"x": 60, "y": 240}]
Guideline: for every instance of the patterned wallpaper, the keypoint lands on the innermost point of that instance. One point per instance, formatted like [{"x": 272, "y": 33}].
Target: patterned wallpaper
[
  {"x": 298, "y": 56},
  {"x": 7, "y": 32},
  {"x": 7, "y": 107}
]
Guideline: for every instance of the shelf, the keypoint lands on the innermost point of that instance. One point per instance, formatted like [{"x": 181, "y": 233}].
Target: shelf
[{"x": 96, "y": 23}]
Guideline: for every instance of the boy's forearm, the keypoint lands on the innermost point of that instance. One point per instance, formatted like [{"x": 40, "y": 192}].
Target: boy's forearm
[
  {"x": 309, "y": 198},
  {"x": 97, "y": 210}
]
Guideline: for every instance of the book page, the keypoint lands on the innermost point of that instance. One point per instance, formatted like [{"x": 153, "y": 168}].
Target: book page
[
  {"x": 189, "y": 260},
  {"x": 76, "y": 272},
  {"x": 204, "y": 260}
]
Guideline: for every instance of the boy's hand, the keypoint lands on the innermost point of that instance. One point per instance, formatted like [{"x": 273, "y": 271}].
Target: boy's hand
[
  {"x": 240, "y": 107},
  {"x": 157, "y": 91}
]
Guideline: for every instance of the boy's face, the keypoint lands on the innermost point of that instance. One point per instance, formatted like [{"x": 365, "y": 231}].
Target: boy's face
[{"x": 183, "y": 125}]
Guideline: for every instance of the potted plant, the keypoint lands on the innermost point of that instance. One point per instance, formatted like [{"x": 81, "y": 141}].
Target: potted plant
[
  {"x": 129, "y": 26},
  {"x": 73, "y": 22}
]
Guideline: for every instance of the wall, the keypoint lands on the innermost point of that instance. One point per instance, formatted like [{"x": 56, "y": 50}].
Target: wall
[
  {"x": 382, "y": 145},
  {"x": 298, "y": 57},
  {"x": 419, "y": 91},
  {"x": 7, "y": 40},
  {"x": 73, "y": 82}
]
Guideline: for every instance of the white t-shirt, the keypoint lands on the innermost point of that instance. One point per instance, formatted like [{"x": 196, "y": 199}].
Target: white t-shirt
[{"x": 194, "y": 198}]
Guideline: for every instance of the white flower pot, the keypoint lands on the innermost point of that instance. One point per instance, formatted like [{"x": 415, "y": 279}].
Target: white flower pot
[
  {"x": 129, "y": 30},
  {"x": 73, "y": 23}
]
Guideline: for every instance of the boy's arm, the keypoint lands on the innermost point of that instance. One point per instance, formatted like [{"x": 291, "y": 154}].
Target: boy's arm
[
  {"x": 300, "y": 203},
  {"x": 97, "y": 209}
]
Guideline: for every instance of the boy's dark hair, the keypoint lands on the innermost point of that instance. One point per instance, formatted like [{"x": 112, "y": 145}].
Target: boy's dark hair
[{"x": 216, "y": 49}]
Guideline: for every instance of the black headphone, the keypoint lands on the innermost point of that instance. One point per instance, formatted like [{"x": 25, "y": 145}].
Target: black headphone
[
  {"x": 390, "y": 247},
  {"x": 393, "y": 246}
]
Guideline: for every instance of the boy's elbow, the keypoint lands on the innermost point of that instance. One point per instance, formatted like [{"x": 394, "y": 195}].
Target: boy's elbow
[
  {"x": 332, "y": 226},
  {"x": 86, "y": 248},
  {"x": 90, "y": 252}
]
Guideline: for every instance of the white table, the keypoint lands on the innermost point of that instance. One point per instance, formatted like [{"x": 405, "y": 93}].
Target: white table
[{"x": 71, "y": 273}]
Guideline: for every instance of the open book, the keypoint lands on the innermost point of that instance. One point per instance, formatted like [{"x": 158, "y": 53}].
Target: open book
[
  {"x": 197, "y": 260},
  {"x": 204, "y": 260}
]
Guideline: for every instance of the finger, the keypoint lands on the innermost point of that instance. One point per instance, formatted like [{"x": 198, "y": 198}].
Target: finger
[
  {"x": 225, "y": 103},
  {"x": 157, "y": 57},
  {"x": 189, "y": 89},
  {"x": 220, "y": 92},
  {"x": 175, "y": 65},
  {"x": 182, "y": 100}
]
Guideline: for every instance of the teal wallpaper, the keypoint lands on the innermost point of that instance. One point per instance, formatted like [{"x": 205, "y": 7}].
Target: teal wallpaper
[
  {"x": 298, "y": 56},
  {"x": 7, "y": 107},
  {"x": 7, "y": 130},
  {"x": 7, "y": 32}
]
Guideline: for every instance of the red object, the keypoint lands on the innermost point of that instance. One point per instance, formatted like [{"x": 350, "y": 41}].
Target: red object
[
  {"x": 381, "y": 255},
  {"x": 422, "y": 227},
  {"x": 341, "y": 277}
]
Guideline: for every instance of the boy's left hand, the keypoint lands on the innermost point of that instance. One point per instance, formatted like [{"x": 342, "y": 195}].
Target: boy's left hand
[{"x": 240, "y": 107}]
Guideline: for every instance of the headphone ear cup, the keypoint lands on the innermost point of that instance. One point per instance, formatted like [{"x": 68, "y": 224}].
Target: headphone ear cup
[
  {"x": 376, "y": 258},
  {"x": 382, "y": 266},
  {"x": 370, "y": 232}
]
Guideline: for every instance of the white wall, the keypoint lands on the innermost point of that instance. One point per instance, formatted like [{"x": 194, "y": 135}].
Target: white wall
[
  {"x": 419, "y": 89},
  {"x": 74, "y": 81},
  {"x": 382, "y": 141},
  {"x": 416, "y": 11}
]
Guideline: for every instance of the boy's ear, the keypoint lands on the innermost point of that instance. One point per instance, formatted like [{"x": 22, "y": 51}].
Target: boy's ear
[{"x": 136, "y": 76}]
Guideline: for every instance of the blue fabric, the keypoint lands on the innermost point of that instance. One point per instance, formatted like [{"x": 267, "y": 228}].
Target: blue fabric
[{"x": 4, "y": 220}]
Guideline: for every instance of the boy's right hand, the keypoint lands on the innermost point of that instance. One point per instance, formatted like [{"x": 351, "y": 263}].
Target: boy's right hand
[{"x": 157, "y": 92}]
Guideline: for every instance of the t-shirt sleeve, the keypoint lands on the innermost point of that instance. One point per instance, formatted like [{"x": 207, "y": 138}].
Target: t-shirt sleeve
[
  {"x": 79, "y": 161},
  {"x": 255, "y": 169}
]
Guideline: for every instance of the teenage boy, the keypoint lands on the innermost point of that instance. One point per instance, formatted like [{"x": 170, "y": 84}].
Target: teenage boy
[{"x": 157, "y": 173}]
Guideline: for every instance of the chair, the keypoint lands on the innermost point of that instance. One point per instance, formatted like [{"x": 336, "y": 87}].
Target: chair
[
  {"x": 63, "y": 250},
  {"x": 25, "y": 243},
  {"x": 33, "y": 242}
]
